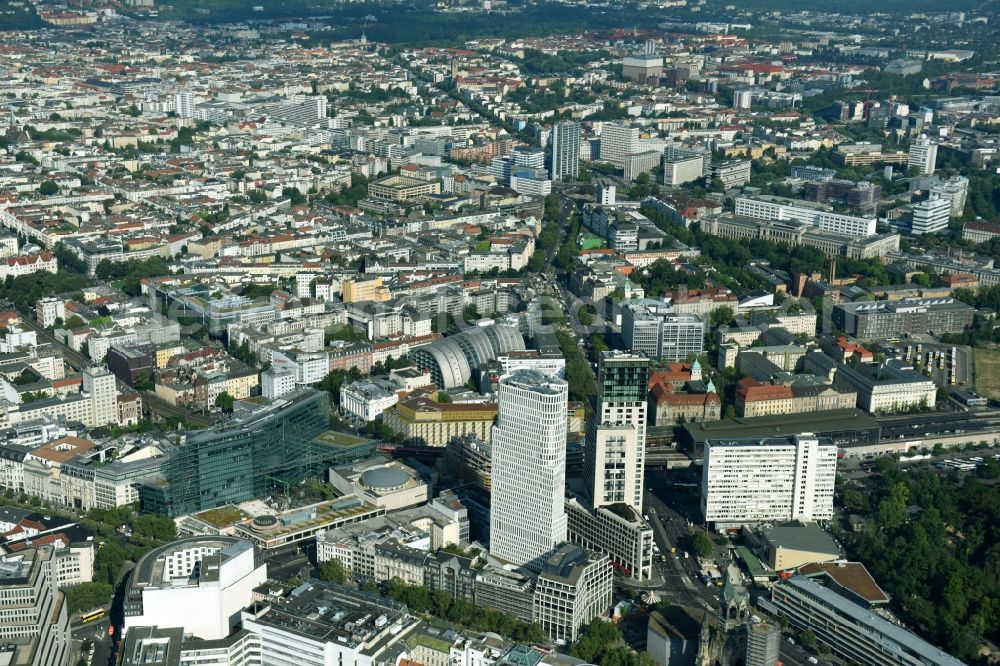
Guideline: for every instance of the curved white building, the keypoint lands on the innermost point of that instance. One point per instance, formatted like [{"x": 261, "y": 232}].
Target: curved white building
[{"x": 199, "y": 584}]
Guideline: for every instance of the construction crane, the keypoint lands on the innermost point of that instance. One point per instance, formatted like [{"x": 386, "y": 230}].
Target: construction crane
[{"x": 868, "y": 101}]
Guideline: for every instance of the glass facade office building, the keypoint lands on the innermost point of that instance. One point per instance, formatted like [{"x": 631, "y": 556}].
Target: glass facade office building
[{"x": 253, "y": 456}]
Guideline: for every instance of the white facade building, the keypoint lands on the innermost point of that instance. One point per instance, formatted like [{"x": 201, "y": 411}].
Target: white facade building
[
  {"x": 565, "y": 151},
  {"x": 102, "y": 388},
  {"x": 618, "y": 142},
  {"x": 930, "y": 216},
  {"x": 48, "y": 310},
  {"x": 574, "y": 587},
  {"x": 309, "y": 367},
  {"x": 653, "y": 329},
  {"x": 923, "y": 155},
  {"x": 749, "y": 481},
  {"x": 367, "y": 399},
  {"x": 200, "y": 584},
  {"x": 680, "y": 170},
  {"x": 844, "y": 225},
  {"x": 276, "y": 382},
  {"x": 527, "y": 512}
]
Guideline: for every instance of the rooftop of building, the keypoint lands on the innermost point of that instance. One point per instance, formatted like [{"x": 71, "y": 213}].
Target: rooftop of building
[
  {"x": 852, "y": 576},
  {"x": 925, "y": 652},
  {"x": 565, "y": 564},
  {"x": 340, "y": 439},
  {"x": 780, "y": 425},
  {"x": 150, "y": 570},
  {"x": 305, "y": 518},
  {"x": 808, "y": 538},
  {"x": 63, "y": 449},
  {"x": 326, "y": 612}
]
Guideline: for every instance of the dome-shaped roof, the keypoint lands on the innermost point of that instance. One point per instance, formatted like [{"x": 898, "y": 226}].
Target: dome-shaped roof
[{"x": 384, "y": 478}]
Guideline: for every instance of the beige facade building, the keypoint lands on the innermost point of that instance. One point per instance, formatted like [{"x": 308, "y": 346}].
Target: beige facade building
[
  {"x": 434, "y": 424},
  {"x": 365, "y": 289}
]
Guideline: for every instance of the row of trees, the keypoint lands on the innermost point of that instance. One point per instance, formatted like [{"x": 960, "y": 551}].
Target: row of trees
[{"x": 419, "y": 599}]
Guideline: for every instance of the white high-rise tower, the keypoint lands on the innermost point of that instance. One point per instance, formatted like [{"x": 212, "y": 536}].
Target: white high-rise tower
[
  {"x": 527, "y": 508},
  {"x": 103, "y": 390},
  {"x": 923, "y": 155},
  {"x": 565, "y": 151}
]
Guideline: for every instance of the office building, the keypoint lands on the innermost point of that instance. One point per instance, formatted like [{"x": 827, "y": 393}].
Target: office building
[
  {"x": 403, "y": 188},
  {"x": 507, "y": 591},
  {"x": 641, "y": 162},
  {"x": 573, "y": 588},
  {"x": 34, "y": 620},
  {"x": 199, "y": 584},
  {"x": 795, "y": 233},
  {"x": 855, "y": 154},
  {"x": 852, "y": 631},
  {"x": 102, "y": 388},
  {"x": 887, "y": 387},
  {"x": 680, "y": 170},
  {"x": 618, "y": 531},
  {"x": 955, "y": 190},
  {"x": 884, "y": 320},
  {"x": 367, "y": 399},
  {"x": 863, "y": 196},
  {"x": 652, "y": 329},
  {"x": 844, "y": 225},
  {"x": 922, "y": 155},
  {"x": 276, "y": 382},
  {"x": 322, "y": 624},
  {"x": 565, "y": 151},
  {"x": 747, "y": 481},
  {"x": 763, "y": 644},
  {"x": 248, "y": 456},
  {"x": 616, "y": 434},
  {"x": 732, "y": 173},
  {"x": 527, "y": 512},
  {"x": 930, "y": 216},
  {"x": 618, "y": 142}
]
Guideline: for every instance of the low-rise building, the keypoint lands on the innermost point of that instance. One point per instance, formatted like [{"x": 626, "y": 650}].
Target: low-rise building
[
  {"x": 852, "y": 631},
  {"x": 420, "y": 420},
  {"x": 328, "y": 625}
]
